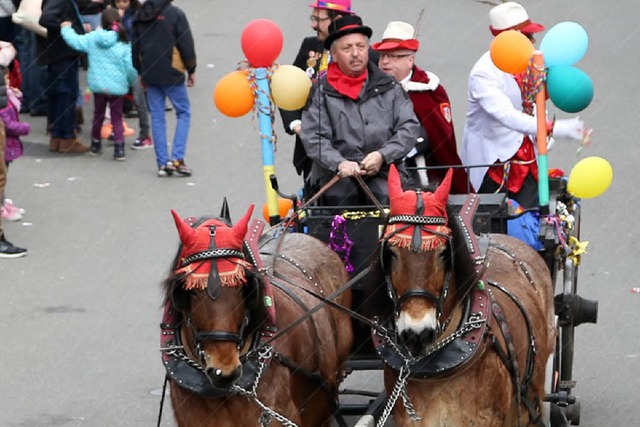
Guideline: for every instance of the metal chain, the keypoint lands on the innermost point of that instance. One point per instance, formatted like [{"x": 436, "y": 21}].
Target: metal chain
[
  {"x": 268, "y": 414},
  {"x": 177, "y": 351},
  {"x": 400, "y": 388},
  {"x": 395, "y": 393}
]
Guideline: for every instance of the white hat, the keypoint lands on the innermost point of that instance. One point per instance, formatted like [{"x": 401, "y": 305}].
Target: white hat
[
  {"x": 512, "y": 16},
  {"x": 398, "y": 35}
]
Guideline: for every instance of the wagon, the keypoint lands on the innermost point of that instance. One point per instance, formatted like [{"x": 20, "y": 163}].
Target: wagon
[{"x": 559, "y": 236}]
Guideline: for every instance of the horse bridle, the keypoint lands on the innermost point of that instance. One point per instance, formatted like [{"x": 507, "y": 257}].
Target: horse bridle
[
  {"x": 419, "y": 222},
  {"x": 214, "y": 288}
]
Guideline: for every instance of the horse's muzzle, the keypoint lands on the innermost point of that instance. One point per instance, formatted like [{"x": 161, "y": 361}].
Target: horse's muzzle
[
  {"x": 222, "y": 380},
  {"x": 417, "y": 342}
]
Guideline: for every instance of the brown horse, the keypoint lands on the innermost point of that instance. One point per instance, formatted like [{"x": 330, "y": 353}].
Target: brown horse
[
  {"x": 242, "y": 342},
  {"x": 469, "y": 338}
]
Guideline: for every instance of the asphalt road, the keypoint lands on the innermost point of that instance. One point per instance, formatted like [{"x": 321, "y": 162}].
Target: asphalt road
[{"x": 79, "y": 316}]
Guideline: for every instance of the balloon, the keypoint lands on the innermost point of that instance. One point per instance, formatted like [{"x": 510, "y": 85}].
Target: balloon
[
  {"x": 590, "y": 177},
  {"x": 233, "y": 95},
  {"x": 511, "y": 51},
  {"x": 261, "y": 42},
  {"x": 284, "y": 206},
  {"x": 290, "y": 87},
  {"x": 564, "y": 44},
  {"x": 570, "y": 89}
]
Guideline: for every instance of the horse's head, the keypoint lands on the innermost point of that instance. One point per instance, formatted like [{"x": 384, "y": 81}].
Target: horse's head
[
  {"x": 210, "y": 286},
  {"x": 416, "y": 260}
]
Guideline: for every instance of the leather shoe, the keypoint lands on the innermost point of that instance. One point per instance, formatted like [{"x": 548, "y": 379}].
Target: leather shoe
[
  {"x": 54, "y": 144},
  {"x": 72, "y": 146}
]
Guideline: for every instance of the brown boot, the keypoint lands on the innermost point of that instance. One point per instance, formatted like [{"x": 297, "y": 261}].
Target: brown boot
[
  {"x": 54, "y": 144},
  {"x": 72, "y": 146}
]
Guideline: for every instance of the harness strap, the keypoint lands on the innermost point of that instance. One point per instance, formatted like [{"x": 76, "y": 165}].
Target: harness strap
[
  {"x": 214, "y": 287},
  {"x": 522, "y": 385},
  {"x": 466, "y": 214},
  {"x": 251, "y": 246}
]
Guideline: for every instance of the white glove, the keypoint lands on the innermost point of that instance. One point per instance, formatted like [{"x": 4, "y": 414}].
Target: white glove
[{"x": 569, "y": 128}]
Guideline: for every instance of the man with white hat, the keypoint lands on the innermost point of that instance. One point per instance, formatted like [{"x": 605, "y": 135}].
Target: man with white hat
[
  {"x": 313, "y": 58},
  {"x": 497, "y": 130},
  {"x": 430, "y": 104}
]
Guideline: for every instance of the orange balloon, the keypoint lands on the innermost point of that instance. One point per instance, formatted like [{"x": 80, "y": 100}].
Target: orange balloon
[
  {"x": 511, "y": 51},
  {"x": 284, "y": 206},
  {"x": 233, "y": 95}
]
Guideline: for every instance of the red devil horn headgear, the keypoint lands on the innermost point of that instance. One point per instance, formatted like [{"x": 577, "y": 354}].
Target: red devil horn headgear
[
  {"x": 240, "y": 228},
  {"x": 231, "y": 269},
  {"x": 186, "y": 233},
  {"x": 404, "y": 204}
]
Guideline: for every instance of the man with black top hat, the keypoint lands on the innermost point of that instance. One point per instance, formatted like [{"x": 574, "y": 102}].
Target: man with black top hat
[
  {"x": 358, "y": 120},
  {"x": 313, "y": 58}
]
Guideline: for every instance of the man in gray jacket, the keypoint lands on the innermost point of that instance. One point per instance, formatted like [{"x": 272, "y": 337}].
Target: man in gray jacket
[{"x": 358, "y": 121}]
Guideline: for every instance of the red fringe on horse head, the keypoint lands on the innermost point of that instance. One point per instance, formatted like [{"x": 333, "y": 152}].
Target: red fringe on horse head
[
  {"x": 195, "y": 240},
  {"x": 405, "y": 203}
]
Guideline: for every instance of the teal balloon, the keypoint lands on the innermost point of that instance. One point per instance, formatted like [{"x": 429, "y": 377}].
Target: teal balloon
[
  {"x": 570, "y": 89},
  {"x": 564, "y": 44}
]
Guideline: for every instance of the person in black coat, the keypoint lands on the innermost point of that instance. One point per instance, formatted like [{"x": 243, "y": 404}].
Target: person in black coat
[
  {"x": 62, "y": 63},
  {"x": 313, "y": 58}
]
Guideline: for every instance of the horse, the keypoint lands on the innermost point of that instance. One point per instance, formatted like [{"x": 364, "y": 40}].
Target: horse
[
  {"x": 244, "y": 338},
  {"x": 470, "y": 332}
]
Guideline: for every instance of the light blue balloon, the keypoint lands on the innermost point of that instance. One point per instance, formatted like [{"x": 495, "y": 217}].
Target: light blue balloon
[
  {"x": 570, "y": 89},
  {"x": 564, "y": 44}
]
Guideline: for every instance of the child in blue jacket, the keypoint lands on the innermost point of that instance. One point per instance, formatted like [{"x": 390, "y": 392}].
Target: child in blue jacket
[{"x": 110, "y": 74}]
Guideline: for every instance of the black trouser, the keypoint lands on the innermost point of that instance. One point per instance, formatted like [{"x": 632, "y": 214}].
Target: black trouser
[{"x": 527, "y": 197}]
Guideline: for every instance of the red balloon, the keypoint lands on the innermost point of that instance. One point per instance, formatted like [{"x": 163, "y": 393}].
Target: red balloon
[{"x": 261, "y": 42}]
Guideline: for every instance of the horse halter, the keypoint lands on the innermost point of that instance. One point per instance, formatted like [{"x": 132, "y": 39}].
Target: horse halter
[
  {"x": 420, "y": 222},
  {"x": 214, "y": 288}
]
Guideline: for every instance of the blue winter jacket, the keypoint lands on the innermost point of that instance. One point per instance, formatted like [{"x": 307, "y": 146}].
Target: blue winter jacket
[{"x": 111, "y": 69}]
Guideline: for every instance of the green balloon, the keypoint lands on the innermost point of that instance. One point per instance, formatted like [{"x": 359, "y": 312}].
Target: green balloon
[{"x": 570, "y": 89}]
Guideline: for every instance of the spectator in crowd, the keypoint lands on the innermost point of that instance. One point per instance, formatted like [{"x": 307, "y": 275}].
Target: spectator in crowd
[
  {"x": 7, "y": 249},
  {"x": 110, "y": 74},
  {"x": 165, "y": 56},
  {"x": 14, "y": 129},
  {"x": 62, "y": 65},
  {"x": 127, "y": 10},
  {"x": 358, "y": 121}
]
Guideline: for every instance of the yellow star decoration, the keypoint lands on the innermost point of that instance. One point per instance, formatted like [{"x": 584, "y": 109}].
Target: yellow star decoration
[{"x": 577, "y": 249}]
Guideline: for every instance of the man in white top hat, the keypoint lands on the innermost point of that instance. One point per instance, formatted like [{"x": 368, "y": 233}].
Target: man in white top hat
[
  {"x": 497, "y": 130},
  {"x": 430, "y": 104}
]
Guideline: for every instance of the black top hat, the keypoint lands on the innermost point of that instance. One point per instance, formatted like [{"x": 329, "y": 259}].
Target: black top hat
[{"x": 348, "y": 24}]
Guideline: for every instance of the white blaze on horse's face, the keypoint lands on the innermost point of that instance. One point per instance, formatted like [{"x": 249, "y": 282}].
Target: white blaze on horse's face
[
  {"x": 423, "y": 273},
  {"x": 405, "y": 322}
]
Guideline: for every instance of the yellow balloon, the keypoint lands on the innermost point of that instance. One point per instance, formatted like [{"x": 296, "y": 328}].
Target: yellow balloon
[
  {"x": 590, "y": 177},
  {"x": 511, "y": 51},
  {"x": 290, "y": 87}
]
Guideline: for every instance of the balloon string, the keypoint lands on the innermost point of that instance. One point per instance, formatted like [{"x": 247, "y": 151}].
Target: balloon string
[
  {"x": 258, "y": 109},
  {"x": 531, "y": 85}
]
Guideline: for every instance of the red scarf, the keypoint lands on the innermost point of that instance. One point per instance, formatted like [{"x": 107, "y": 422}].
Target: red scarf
[{"x": 346, "y": 85}]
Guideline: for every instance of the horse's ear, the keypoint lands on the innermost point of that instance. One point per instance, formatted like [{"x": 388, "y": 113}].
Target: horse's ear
[
  {"x": 240, "y": 228},
  {"x": 224, "y": 212},
  {"x": 441, "y": 195},
  {"x": 185, "y": 232},
  {"x": 395, "y": 186}
]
